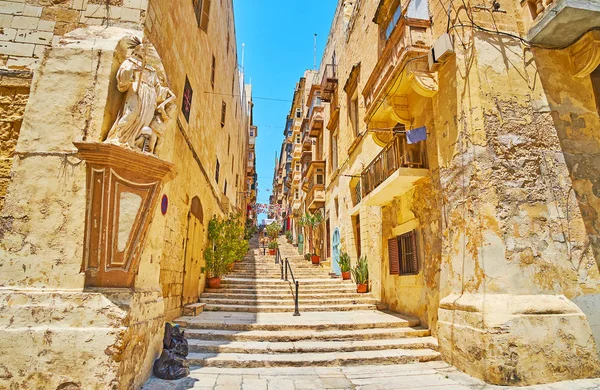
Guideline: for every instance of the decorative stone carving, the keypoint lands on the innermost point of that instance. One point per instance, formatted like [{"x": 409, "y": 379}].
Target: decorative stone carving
[
  {"x": 585, "y": 54},
  {"x": 147, "y": 106},
  {"x": 122, "y": 188}
]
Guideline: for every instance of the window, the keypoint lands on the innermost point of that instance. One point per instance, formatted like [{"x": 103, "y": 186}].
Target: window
[
  {"x": 223, "y": 113},
  {"x": 334, "y": 151},
  {"x": 225, "y": 188},
  {"x": 297, "y": 195},
  {"x": 297, "y": 138},
  {"x": 595, "y": 75},
  {"x": 186, "y": 106},
  {"x": 357, "y": 235},
  {"x": 297, "y": 166},
  {"x": 251, "y": 133},
  {"x": 250, "y": 156},
  {"x": 353, "y": 112},
  {"x": 202, "y": 11},
  {"x": 320, "y": 176},
  {"x": 228, "y": 143},
  {"x": 217, "y": 171},
  {"x": 298, "y": 113},
  {"x": 212, "y": 72},
  {"x": 393, "y": 22},
  {"x": 232, "y": 163},
  {"x": 402, "y": 253}
]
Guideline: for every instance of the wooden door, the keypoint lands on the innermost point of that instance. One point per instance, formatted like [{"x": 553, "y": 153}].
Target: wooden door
[{"x": 193, "y": 278}]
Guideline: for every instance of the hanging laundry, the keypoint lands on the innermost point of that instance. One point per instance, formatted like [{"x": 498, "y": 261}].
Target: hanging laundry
[{"x": 416, "y": 135}]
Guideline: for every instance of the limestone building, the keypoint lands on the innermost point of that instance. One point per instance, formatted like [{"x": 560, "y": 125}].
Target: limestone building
[
  {"x": 125, "y": 127},
  {"x": 461, "y": 150}
]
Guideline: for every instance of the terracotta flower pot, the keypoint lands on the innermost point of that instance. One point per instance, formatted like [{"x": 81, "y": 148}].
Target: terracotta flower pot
[
  {"x": 214, "y": 282},
  {"x": 346, "y": 275},
  {"x": 361, "y": 288},
  {"x": 315, "y": 259},
  {"x": 272, "y": 252}
]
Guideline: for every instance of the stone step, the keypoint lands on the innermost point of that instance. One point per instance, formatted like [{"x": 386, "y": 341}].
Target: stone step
[
  {"x": 279, "y": 282},
  {"x": 306, "y": 335},
  {"x": 279, "y": 295},
  {"x": 238, "y": 360},
  {"x": 287, "y": 309},
  {"x": 289, "y": 301},
  {"x": 303, "y": 290},
  {"x": 270, "y": 347}
]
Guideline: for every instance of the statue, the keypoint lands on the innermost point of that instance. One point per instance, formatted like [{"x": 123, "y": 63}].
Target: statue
[{"x": 142, "y": 120}]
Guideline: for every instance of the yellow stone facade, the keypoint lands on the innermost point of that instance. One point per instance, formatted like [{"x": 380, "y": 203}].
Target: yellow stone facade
[
  {"x": 502, "y": 195},
  {"x": 108, "y": 336}
]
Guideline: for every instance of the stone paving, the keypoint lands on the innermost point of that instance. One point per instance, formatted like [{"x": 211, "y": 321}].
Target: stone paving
[{"x": 430, "y": 375}]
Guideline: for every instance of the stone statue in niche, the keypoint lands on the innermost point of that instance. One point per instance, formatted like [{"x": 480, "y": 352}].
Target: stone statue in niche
[{"x": 147, "y": 107}]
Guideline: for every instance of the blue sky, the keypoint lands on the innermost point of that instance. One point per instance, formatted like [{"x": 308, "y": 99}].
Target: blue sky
[{"x": 279, "y": 38}]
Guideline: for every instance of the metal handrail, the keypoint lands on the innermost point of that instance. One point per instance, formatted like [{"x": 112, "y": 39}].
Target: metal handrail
[{"x": 296, "y": 284}]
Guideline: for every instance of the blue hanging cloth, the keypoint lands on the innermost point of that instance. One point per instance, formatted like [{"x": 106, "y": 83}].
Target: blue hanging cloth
[{"x": 416, "y": 135}]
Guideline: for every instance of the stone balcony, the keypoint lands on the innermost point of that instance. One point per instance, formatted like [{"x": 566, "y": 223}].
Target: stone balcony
[
  {"x": 559, "y": 23},
  {"x": 410, "y": 38},
  {"x": 392, "y": 172}
]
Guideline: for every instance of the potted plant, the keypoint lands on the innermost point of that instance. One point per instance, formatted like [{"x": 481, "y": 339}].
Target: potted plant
[
  {"x": 313, "y": 221},
  {"x": 288, "y": 236},
  {"x": 344, "y": 263},
  {"x": 307, "y": 257},
  {"x": 226, "y": 244},
  {"x": 361, "y": 275},
  {"x": 273, "y": 247},
  {"x": 273, "y": 231}
]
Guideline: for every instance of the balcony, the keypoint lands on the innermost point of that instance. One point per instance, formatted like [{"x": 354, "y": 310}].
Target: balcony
[
  {"x": 317, "y": 117},
  {"x": 393, "y": 172},
  {"x": 315, "y": 178},
  {"x": 297, "y": 151},
  {"x": 250, "y": 165},
  {"x": 393, "y": 75},
  {"x": 560, "y": 22},
  {"x": 329, "y": 82},
  {"x": 296, "y": 177}
]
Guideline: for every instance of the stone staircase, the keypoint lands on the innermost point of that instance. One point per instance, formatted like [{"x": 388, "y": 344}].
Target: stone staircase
[{"x": 248, "y": 322}]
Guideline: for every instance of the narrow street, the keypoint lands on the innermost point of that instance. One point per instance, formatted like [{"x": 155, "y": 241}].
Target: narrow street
[{"x": 248, "y": 338}]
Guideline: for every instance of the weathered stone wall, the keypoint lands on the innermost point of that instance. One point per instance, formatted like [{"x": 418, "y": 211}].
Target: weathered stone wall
[
  {"x": 354, "y": 39},
  {"x": 93, "y": 338},
  {"x": 27, "y": 28},
  {"x": 187, "y": 51},
  {"x": 14, "y": 92}
]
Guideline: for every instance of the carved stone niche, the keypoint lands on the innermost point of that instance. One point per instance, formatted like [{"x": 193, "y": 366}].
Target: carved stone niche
[{"x": 122, "y": 194}]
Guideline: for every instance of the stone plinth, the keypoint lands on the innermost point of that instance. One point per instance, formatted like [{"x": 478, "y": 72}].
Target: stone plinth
[{"x": 63, "y": 324}]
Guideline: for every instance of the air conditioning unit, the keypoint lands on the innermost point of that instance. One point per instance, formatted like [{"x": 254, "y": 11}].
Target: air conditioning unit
[{"x": 440, "y": 52}]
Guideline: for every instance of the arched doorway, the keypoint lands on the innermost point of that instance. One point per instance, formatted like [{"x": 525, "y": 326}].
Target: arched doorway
[
  {"x": 335, "y": 251},
  {"x": 193, "y": 278}
]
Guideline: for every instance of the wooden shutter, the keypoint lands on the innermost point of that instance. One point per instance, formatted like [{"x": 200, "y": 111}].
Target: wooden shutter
[
  {"x": 394, "y": 256},
  {"x": 414, "y": 260},
  {"x": 205, "y": 13}
]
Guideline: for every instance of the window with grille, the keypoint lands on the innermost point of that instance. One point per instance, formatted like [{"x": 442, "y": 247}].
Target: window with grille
[
  {"x": 217, "y": 171},
  {"x": 402, "y": 254},
  {"x": 223, "y": 113},
  {"x": 202, "y": 11},
  {"x": 225, "y": 188},
  {"x": 212, "y": 72}
]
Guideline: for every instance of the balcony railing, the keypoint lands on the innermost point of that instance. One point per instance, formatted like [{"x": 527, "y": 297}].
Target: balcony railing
[
  {"x": 397, "y": 154},
  {"x": 328, "y": 82}
]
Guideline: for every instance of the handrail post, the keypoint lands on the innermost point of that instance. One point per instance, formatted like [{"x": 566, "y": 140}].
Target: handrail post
[
  {"x": 296, "y": 311},
  {"x": 281, "y": 266},
  {"x": 286, "y": 268}
]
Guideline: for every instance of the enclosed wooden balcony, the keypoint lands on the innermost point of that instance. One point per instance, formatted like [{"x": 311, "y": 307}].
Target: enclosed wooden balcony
[
  {"x": 316, "y": 120},
  {"x": 393, "y": 172},
  {"x": 329, "y": 82},
  {"x": 315, "y": 191},
  {"x": 297, "y": 152}
]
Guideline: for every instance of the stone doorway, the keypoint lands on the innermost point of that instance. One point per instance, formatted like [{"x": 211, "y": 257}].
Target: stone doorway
[{"x": 193, "y": 278}]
